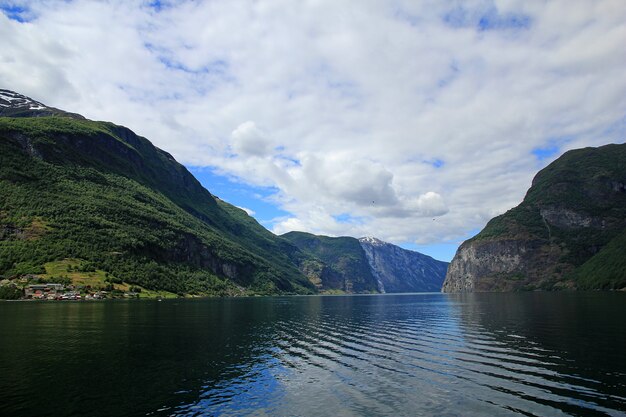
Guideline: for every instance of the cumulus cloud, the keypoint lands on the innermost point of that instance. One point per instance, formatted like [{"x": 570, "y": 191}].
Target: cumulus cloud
[
  {"x": 359, "y": 182},
  {"x": 376, "y": 118},
  {"x": 429, "y": 204},
  {"x": 248, "y": 140}
]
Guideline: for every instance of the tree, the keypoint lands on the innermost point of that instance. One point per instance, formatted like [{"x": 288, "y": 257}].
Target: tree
[{"x": 10, "y": 292}]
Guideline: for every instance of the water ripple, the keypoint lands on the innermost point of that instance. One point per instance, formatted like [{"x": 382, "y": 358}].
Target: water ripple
[{"x": 528, "y": 354}]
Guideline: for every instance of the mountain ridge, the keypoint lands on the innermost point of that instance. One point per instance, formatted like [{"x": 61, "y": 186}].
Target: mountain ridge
[
  {"x": 366, "y": 265},
  {"x": 98, "y": 193},
  {"x": 14, "y": 104},
  {"x": 570, "y": 225},
  {"x": 129, "y": 184}
]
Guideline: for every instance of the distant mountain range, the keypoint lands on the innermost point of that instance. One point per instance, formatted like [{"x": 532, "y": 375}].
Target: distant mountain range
[
  {"x": 568, "y": 233},
  {"x": 399, "y": 270},
  {"x": 108, "y": 200},
  {"x": 365, "y": 265}
]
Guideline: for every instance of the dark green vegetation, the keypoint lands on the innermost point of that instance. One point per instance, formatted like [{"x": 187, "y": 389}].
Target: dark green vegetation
[
  {"x": 607, "y": 268},
  {"x": 95, "y": 191},
  {"x": 10, "y": 292},
  {"x": 569, "y": 232},
  {"x": 333, "y": 263}
]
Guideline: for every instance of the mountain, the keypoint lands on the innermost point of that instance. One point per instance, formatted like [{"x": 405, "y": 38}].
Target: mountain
[
  {"x": 93, "y": 196},
  {"x": 365, "y": 265},
  {"x": 334, "y": 263},
  {"x": 99, "y": 194},
  {"x": 13, "y": 104},
  {"x": 400, "y": 270},
  {"x": 569, "y": 232}
]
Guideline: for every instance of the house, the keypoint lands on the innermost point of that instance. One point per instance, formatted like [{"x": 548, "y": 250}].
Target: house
[
  {"x": 43, "y": 291},
  {"x": 72, "y": 295}
]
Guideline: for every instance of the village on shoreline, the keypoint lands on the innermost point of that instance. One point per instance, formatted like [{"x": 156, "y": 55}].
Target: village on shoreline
[
  {"x": 33, "y": 288},
  {"x": 73, "y": 279}
]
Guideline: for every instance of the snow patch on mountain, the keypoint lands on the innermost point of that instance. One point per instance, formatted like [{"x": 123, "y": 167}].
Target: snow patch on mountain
[
  {"x": 12, "y": 99},
  {"x": 400, "y": 270}
]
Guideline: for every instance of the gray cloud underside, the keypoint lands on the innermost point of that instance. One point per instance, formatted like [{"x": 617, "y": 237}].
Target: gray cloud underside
[{"x": 370, "y": 118}]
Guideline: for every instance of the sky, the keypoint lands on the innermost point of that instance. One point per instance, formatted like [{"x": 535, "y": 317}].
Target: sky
[{"x": 411, "y": 121}]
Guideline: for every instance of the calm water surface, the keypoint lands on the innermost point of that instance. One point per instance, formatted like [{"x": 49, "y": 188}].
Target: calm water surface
[{"x": 537, "y": 354}]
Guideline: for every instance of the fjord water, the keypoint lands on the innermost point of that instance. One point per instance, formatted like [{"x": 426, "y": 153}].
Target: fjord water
[{"x": 422, "y": 354}]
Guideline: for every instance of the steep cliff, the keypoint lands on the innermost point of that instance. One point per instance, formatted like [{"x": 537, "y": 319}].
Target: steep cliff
[
  {"x": 568, "y": 233},
  {"x": 401, "y": 270}
]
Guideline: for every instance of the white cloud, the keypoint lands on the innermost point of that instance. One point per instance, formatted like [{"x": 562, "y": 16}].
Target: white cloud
[
  {"x": 248, "y": 140},
  {"x": 376, "y": 118},
  {"x": 429, "y": 204},
  {"x": 340, "y": 178}
]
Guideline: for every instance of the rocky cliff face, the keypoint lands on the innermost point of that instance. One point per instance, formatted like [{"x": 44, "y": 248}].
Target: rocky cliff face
[
  {"x": 564, "y": 235},
  {"x": 503, "y": 265},
  {"x": 400, "y": 270},
  {"x": 365, "y": 265}
]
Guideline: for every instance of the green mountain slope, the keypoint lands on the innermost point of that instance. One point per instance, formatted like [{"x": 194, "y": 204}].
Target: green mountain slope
[
  {"x": 75, "y": 188},
  {"x": 567, "y": 233},
  {"x": 607, "y": 268},
  {"x": 334, "y": 263}
]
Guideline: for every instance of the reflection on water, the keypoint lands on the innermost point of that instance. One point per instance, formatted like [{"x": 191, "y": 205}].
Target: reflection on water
[{"x": 430, "y": 354}]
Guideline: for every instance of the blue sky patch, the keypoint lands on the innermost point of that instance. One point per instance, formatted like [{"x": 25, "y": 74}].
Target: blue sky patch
[
  {"x": 440, "y": 251},
  {"x": 160, "y": 5},
  {"x": 257, "y": 199},
  {"x": 437, "y": 163},
  {"x": 292, "y": 161},
  {"x": 434, "y": 162},
  {"x": 17, "y": 13},
  {"x": 551, "y": 149},
  {"x": 343, "y": 218},
  {"x": 346, "y": 218},
  {"x": 546, "y": 152},
  {"x": 494, "y": 21},
  {"x": 218, "y": 67},
  {"x": 157, "y": 5},
  {"x": 484, "y": 20}
]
